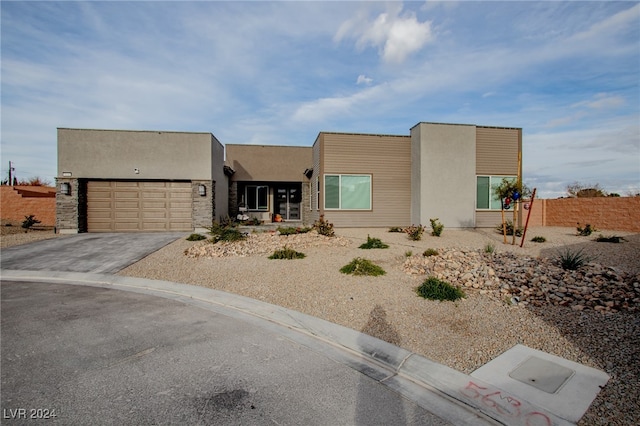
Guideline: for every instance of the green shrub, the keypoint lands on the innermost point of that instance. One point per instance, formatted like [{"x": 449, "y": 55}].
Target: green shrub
[
  {"x": 29, "y": 221},
  {"x": 436, "y": 227},
  {"x": 373, "y": 243},
  {"x": 252, "y": 221},
  {"x": 572, "y": 260},
  {"x": 430, "y": 252},
  {"x": 360, "y": 266},
  {"x": 324, "y": 227},
  {"x": 435, "y": 289},
  {"x": 196, "y": 237},
  {"x": 586, "y": 231},
  {"x": 415, "y": 232},
  {"x": 509, "y": 227},
  {"x": 489, "y": 248},
  {"x": 229, "y": 234},
  {"x": 287, "y": 253},
  {"x": 538, "y": 239},
  {"x": 408, "y": 253},
  {"x": 611, "y": 239},
  {"x": 396, "y": 229}
]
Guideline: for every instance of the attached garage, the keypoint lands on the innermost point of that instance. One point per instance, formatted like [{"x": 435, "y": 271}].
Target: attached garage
[
  {"x": 139, "y": 181},
  {"x": 117, "y": 206}
]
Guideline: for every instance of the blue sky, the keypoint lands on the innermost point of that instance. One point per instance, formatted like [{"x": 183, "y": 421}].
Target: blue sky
[{"x": 278, "y": 73}]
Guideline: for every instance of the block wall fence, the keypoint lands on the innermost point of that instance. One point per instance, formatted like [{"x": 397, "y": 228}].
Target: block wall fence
[
  {"x": 605, "y": 213},
  {"x": 20, "y": 201}
]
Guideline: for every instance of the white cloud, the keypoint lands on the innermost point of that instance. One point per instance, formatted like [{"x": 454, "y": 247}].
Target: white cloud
[
  {"x": 602, "y": 101},
  {"x": 395, "y": 34},
  {"x": 362, "y": 79}
]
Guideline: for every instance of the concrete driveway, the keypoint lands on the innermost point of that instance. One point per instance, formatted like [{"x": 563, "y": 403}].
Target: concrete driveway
[
  {"x": 97, "y": 253},
  {"x": 90, "y": 355}
]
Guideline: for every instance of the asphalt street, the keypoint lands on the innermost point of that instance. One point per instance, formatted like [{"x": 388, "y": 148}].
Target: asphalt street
[{"x": 90, "y": 355}]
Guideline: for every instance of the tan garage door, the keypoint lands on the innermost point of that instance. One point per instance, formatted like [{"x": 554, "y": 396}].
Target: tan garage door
[{"x": 138, "y": 206}]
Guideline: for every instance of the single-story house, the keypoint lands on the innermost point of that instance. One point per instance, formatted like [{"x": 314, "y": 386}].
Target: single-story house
[{"x": 116, "y": 180}]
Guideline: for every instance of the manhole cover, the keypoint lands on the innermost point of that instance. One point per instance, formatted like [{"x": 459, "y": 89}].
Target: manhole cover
[{"x": 542, "y": 374}]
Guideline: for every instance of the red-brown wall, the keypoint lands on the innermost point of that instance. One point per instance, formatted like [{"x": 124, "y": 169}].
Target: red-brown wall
[
  {"x": 20, "y": 201},
  {"x": 609, "y": 213}
]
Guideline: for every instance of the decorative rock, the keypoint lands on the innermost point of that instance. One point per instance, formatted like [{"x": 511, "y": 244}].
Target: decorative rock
[{"x": 533, "y": 280}]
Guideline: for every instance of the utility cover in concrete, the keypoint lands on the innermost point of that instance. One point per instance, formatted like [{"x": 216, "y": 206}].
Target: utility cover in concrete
[
  {"x": 562, "y": 387},
  {"x": 542, "y": 374}
]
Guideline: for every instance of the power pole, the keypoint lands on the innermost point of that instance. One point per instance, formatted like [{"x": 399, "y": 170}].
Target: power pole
[{"x": 10, "y": 168}]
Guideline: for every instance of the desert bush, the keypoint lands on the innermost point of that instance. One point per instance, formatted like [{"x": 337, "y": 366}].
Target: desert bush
[
  {"x": 415, "y": 232},
  {"x": 586, "y": 231},
  {"x": 291, "y": 230},
  {"x": 396, "y": 229},
  {"x": 195, "y": 237},
  {"x": 360, "y": 266},
  {"x": 489, "y": 248},
  {"x": 226, "y": 233},
  {"x": 430, "y": 252},
  {"x": 373, "y": 243},
  {"x": 287, "y": 253},
  {"x": 611, "y": 239},
  {"x": 408, "y": 253},
  {"x": 324, "y": 227},
  {"x": 538, "y": 239},
  {"x": 29, "y": 221},
  {"x": 435, "y": 289},
  {"x": 573, "y": 259},
  {"x": 509, "y": 228},
  {"x": 436, "y": 227}
]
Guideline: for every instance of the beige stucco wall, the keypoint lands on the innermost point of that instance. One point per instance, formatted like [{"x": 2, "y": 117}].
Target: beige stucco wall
[
  {"x": 116, "y": 154},
  {"x": 444, "y": 170},
  {"x": 268, "y": 163}
]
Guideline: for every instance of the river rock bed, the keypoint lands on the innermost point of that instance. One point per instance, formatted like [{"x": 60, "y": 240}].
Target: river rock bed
[
  {"x": 525, "y": 280},
  {"x": 264, "y": 243}
]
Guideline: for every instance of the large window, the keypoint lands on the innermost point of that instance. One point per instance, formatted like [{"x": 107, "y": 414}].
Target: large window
[
  {"x": 257, "y": 197},
  {"x": 485, "y": 187},
  {"x": 347, "y": 192}
]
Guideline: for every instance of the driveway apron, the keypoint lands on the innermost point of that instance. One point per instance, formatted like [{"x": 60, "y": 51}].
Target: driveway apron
[{"x": 96, "y": 253}]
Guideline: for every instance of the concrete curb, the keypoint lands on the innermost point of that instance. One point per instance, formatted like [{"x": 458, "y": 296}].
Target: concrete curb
[{"x": 448, "y": 393}]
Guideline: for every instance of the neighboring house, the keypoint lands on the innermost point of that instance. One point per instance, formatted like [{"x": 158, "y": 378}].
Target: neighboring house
[
  {"x": 121, "y": 180},
  {"x": 112, "y": 180},
  {"x": 269, "y": 182}
]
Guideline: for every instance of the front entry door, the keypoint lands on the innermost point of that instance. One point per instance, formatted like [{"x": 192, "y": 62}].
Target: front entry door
[{"x": 288, "y": 199}]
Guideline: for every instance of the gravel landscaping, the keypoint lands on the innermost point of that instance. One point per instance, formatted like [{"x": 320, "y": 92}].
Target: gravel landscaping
[
  {"x": 513, "y": 295},
  {"x": 507, "y": 300}
]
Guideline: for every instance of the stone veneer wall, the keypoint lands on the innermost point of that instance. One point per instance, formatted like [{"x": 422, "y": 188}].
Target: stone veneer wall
[
  {"x": 68, "y": 207},
  {"x": 305, "y": 210},
  {"x": 204, "y": 208},
  {"x": 233, "y": 199}
]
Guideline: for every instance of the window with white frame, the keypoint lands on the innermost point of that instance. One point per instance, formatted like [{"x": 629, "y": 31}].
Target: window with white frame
[
  {"x": 347, "y": 192},
  {"x": 257, "y": 197},
  {"x": 485, "y": 190}
]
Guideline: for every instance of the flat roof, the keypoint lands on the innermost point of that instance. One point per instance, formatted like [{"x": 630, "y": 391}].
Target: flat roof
[
  {"x": 467, "y": 124},
  {"x": 136, "y": 131}
]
